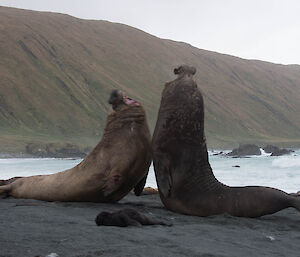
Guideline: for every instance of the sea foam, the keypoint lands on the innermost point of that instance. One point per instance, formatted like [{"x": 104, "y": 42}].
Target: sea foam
[{"x": 287, "y": 162}]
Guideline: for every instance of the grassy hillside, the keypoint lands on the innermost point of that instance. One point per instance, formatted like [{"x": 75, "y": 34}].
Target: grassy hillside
[{"x": 56, "y": 72}]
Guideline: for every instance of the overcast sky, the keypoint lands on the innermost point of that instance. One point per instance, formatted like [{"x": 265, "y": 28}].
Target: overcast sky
[{"x": 254, "y": 29}]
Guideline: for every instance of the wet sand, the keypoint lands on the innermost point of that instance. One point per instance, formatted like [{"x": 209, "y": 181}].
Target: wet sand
[{"x": 37, "y": 228}]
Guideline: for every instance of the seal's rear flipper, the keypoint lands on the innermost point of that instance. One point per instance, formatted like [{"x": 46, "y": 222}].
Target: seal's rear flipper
[
  {"x": 295, "y": 194},
  {"x": 4, "y": 191},
  {"x": 296, "y": 203},
  {"x": 8, "y": 181}
]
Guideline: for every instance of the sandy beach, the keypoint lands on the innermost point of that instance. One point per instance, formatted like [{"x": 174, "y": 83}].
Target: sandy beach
[{"x": 36, "y": 228}]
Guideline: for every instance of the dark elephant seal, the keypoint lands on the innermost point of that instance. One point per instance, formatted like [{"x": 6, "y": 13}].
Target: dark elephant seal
[
  {"x": 118, "y": 163},
  {"x": 126, "y": 217},
  {"x": 185, "y": 179}
]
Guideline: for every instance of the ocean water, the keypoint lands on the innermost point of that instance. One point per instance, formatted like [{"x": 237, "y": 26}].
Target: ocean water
[{"x": 282, "y": 172}]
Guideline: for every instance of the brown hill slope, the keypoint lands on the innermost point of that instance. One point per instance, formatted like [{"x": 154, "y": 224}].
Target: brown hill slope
[{"x": 56, "y": 72}]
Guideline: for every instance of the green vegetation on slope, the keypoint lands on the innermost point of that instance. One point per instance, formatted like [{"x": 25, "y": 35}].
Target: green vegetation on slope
[{"x": 56, "y": 72}]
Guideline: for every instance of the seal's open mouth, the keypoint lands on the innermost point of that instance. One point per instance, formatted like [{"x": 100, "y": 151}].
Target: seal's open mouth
[{"x": 130, "y": 101}]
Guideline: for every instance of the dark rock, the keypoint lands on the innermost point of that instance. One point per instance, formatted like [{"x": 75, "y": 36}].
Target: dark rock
[
  {"x": 36, "y": 150},
  {"x": 281, "y": 152},
  {"x": 276, "y": 151},
  {"x": 236, "y": 166},
  {"x": 271, "y": 148},
  {"x": 220, "y": 153},
  {"x": 244, "y": 150},
  {"x": 68, "y": 150}
]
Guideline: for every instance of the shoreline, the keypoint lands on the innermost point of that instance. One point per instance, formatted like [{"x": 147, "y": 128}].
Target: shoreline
[
  {"x": 30, "y": 156},
  {"x": 37, "y": 228}
]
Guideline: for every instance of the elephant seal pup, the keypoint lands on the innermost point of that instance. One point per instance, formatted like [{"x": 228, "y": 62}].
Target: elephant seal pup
[
  {"x": 118, "y": 163},
  {"x": 124, "y": 218},
  {"x": 185, "y": 179}
]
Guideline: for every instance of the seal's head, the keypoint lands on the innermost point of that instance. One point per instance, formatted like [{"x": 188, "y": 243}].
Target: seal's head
[
  {"x": 184, "y": 70},
  {"x": 118, "y": 100}
]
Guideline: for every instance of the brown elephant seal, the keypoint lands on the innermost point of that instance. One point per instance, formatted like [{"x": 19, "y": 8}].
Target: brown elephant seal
[
  {"x": 184, "y": 176},
  {"x": 118, "y": 163},
  {"x": 126, "y": 217}
]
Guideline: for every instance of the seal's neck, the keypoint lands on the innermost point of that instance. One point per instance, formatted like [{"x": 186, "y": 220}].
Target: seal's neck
[
  {"x": 118, "y": 107},
  {"x": 124, "y": 117}
]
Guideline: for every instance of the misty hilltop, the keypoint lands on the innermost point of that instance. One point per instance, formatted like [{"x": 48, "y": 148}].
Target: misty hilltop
[{"x": 56, "y": 73}]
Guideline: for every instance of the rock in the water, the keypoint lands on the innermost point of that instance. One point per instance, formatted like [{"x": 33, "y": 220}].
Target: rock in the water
[
  {"x": 276, "y": 151},
  {"x": 219, "y": 153},
  {"x": 281, "y": 152},
  {"x": 271, "y": 148},
  {"x": 244, "y": 150}
]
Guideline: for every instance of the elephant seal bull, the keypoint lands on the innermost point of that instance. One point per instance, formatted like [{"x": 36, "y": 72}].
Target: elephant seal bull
[
  {"x": 118, "y": 163},
  {"x": 184, "y": 176}
]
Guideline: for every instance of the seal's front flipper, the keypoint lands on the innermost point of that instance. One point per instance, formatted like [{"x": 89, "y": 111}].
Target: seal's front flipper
[
  {"x": 4, "y": 191},
  {"x": 138, "y": 189},
  {"x": 163, "y": 174}
]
